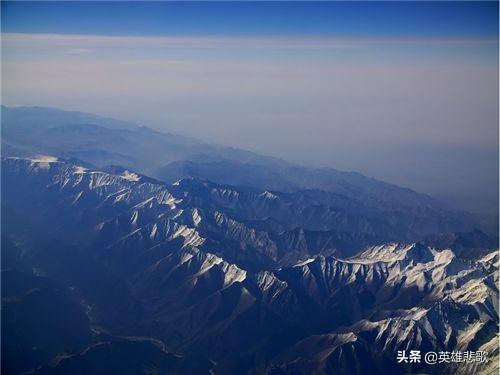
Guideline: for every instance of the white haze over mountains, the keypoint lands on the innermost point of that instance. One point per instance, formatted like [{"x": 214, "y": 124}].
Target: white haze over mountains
[{"x": 418, "y": 113}]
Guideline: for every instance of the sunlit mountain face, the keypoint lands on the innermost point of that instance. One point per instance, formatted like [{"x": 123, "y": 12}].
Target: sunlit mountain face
[{"x": 226, "y": 261}]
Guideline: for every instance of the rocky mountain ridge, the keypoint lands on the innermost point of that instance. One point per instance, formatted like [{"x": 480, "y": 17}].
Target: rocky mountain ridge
[{"x": 246, "y": 278}]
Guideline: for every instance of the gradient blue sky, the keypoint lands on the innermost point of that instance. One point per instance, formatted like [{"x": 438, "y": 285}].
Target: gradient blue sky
[
  {"x": 403, "y": 91},
  {"x": 344, "y": 19}
]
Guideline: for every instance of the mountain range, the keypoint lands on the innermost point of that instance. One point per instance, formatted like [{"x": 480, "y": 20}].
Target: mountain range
[{"x": 136, "y": 251}]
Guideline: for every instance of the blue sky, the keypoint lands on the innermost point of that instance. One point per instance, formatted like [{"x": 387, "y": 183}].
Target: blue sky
[
  {"x": 403, "y": 91},
  {"x": 346, "y": 19}
]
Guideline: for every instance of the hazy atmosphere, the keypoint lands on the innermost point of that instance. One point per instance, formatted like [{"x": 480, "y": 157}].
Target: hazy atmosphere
[
  {"x": 279, "y": 188},
  {"x": 415, "y": 104}
]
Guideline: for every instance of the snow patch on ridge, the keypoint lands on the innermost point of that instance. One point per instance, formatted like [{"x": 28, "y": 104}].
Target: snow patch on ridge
[
  {"x": 304, "y": 262},
  {"x": 130, "y": 176},
  {"x": 268, "y": 195},
  {"x": 196, "y": 217},
  {"x": 44, "y": 159}
]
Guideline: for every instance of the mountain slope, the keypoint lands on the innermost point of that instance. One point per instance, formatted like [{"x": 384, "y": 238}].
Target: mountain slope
[
  {"x": 28, "y": 131},
  {"x": 239, "y": 222},
  {"x": 102, "y": 141},
  {"x": 248, "y": 278}
]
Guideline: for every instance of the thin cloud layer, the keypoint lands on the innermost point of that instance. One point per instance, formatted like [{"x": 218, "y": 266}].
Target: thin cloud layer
[{"x": 19, "y": 40}]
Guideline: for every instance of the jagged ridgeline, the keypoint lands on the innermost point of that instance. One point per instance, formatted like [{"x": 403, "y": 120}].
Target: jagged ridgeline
[{"x": 196, "y": 276}]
